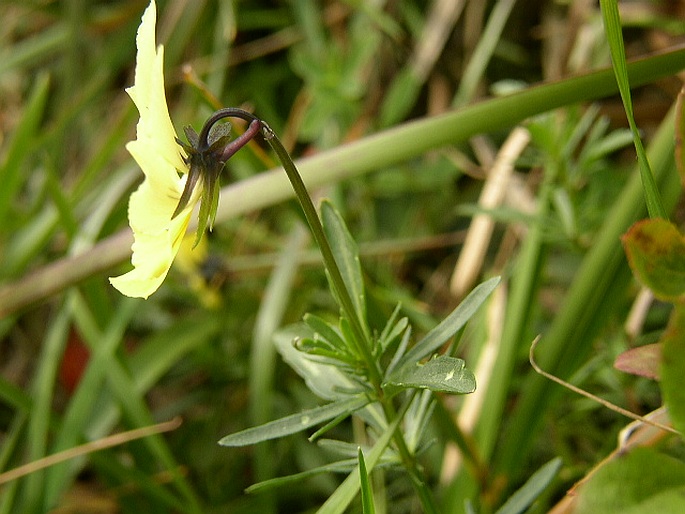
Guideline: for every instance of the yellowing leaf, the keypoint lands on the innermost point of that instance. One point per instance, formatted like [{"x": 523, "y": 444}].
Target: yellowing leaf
[{"x": 656, "y": 254}]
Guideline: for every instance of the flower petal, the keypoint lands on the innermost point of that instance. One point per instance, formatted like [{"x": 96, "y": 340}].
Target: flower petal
[
  {"x": 155, "y": 246},
  {"x": 157, "y": 236},
  {"x": 154, "y": 127}
]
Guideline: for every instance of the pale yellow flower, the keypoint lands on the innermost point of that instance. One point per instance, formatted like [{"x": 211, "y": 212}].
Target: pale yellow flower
[
  {"x": 177, "y": 175},
  {"x": 157, "y": 229}
]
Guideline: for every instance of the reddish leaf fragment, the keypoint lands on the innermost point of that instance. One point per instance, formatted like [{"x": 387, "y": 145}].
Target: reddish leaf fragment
[{"x": 643, "y": 361}]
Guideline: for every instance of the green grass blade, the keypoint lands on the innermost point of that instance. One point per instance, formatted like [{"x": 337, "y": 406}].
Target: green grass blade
[
  {"x": 263, "y": 353},
  {"x": 79, "y": 411},
  {"x": 41, "y": 413},
  {"x": 34, "y": 49},
  {"x": 532, "y": 489},
  {"x": 20, "y": 148},
  {"x": 595, "y": 292},
  {"x": 612, "y": 26},
  {"x": 483, "y": 52},
  {"x": 365, "y": 485},
  {"x": 338, "y": 502}
]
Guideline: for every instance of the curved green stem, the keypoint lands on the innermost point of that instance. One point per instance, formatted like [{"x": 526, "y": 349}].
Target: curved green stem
[{"x": 363, "y": 344}]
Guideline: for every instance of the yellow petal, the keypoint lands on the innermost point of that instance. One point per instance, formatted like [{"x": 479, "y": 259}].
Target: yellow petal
[
  {"x": 157, "y": 237},
  {"x": 153, "y": 250},
  {"x": 160, "y": 196},
  {"x": 154, "y": 128}
]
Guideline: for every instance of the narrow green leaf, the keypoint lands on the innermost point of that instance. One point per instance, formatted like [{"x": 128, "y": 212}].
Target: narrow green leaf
[
  {"x": 482, "y": 54},
  {"x": 680, "y": 135},
  {"x": 612, "y": 27},
  {"x": 451, "y": 324},
  {"x": 391, "y": 323},
  {"x": 328, "y": 332},
  {"x": 443, "y": 374},
  {"x": 343, "y": 495},
  {"x": 320, "y": 347},
  {"x": 322, "y": 378},
  {"x": 40, "y": 47},
  {"x": 532, "y": 489},
  {"x": 21, "y": 144},
  {"x": 400, "y": 97},
  {"x": 365, "y": 483},
  {"x": 343, "y": 466},
  {"x": 393, "y": 329},
  {"x": 294, "y": 423},
  {"x": 346, "y": 253},
  {"x": 42, "y": 396}
]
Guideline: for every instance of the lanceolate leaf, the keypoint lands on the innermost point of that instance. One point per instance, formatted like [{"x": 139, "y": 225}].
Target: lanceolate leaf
[
  {"x": 338, "y": 502},
  {"x": 343, "y": 466},
  {"x": 450, "y": 325},
  {"x": 323, "y": 379},
  {"x": 346, "y": 255},
  {"x": 532, "y": 489},
  {"x": 443, "y": 374},
  {"x": 295, "y": 423}
]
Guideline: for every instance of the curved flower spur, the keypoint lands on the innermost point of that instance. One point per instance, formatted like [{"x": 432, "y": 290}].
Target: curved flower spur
[{"x": 176, "y": 179}]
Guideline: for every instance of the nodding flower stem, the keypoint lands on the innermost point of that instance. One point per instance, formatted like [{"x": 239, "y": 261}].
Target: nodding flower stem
[
  {"x": 240, "y": 141},
  {"x": 363, "y": 346},
  {"x": 361, "y": 337},
  {"x": 230, "y": 112}
]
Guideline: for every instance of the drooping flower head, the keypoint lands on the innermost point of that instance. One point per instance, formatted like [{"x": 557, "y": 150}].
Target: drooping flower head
[{"x": 176, "y": 177}]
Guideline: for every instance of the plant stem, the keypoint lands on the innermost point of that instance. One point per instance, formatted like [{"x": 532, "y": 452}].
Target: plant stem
[
  {"x": 363, "y": 345},
  {"x": 343, "y": 295}
]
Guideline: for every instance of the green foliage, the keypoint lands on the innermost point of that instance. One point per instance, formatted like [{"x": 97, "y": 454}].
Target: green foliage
[
  {"x": 250, "y": 330},
  {"x": 612, "y": 23},
  {"x": 366, "y": 491},
  {"x": 656, "y": 252},
  {"x": 643, "y": 480},
  {"x": 295, "y": 423},
  {"x": 522, "y": 499},
  {"x": 339, "y": 365},
  {"x": 673, "y": 360},
  {"x": 442, "y": 374}
]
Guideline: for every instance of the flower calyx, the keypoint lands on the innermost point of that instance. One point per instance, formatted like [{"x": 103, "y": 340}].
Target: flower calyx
[{"x": 205, "y": 155}]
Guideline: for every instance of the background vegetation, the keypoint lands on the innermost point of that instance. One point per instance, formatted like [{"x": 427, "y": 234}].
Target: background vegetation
[{"x": 339, "y": 82}]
